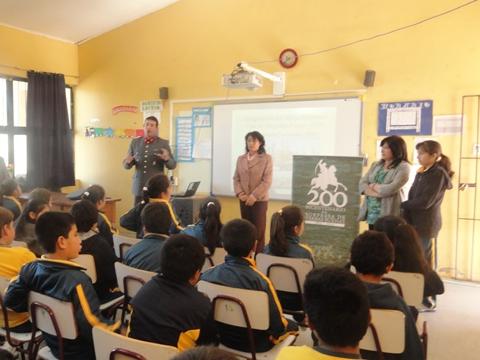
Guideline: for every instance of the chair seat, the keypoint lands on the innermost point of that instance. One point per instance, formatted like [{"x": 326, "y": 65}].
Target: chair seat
[
  {"x": 111, "y": 303},
  {"x": 270, "y": 354},
  {"x": 20, "y": 337},
  {"x": 46, "y": 354}
]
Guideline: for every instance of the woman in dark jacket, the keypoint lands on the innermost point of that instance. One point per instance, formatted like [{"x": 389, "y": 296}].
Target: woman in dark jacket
[{"x": 422, "y": 209}]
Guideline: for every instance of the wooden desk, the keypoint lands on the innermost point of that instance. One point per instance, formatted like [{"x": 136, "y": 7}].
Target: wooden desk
[{"x": 60, "y": 202}]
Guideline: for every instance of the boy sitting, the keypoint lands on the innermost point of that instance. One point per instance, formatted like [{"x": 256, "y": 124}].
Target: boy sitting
[
  {"x": 239, "y": 240},
  {"x": 372, "y": 255},
  {"x": 336, "y": 303},
  {"x": 169, "y": 309},
  {"x": 56, "y": 276},
  {"x": 145, "y": 255},
  {"x": 11, "y": 261}
]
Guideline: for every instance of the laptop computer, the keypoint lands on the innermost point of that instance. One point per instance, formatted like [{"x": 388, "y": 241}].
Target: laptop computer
[{"x": 191, "y": 190}]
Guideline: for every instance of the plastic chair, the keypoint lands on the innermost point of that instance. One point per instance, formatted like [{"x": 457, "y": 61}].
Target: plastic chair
[
  {"x": 130, "y": 280},
  {"x": 20, "y": 341},
  {"x": 408, "y": 285},
  {"x": 121, "y": 243},
  {"x": 243, "y": 308},
  {"x": 109, "y": 345},
  {"x": 217, "y": 258}
]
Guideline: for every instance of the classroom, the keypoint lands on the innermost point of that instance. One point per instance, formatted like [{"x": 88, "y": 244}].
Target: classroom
[{"x": 123, "y": 62}]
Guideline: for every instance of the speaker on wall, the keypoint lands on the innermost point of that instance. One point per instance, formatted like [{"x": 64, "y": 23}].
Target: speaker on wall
[
  {"x": 164, "y": 93},
  {"x": 369, "y": 79}
]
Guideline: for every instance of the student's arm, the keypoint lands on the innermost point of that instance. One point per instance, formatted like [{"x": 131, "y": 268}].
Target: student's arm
[
  {"x": 400, "y": 179},
  {"x": 131, "y": 220},
  {"x": 16, "y": 297},
  {"x": 433, "y": 284},
  {"x": 106, "y": 259},
  {"x": 208, "y": 331},
  {"x": 431, "y": 187},
  {"x": 262, "y": 189}
]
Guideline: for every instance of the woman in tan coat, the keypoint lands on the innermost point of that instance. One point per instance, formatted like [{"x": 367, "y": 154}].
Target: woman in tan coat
[{"x": 251, "y": 182}]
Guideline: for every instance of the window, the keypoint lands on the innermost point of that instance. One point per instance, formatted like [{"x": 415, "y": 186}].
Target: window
[{"x": 13, "y": 122}]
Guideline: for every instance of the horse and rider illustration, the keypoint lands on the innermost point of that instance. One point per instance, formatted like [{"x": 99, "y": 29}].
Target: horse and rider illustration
[{"x": 326, "y": 177}]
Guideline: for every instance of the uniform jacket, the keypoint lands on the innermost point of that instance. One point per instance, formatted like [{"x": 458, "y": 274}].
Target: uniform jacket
[
  {"x": 185, "y": 322},
  {"x": 197, "y": 231},
  {"x": 12, "y": 204},
  {"x": 422, "y": 209},
  {"x": 105, "y": 228},
  {"x": 145, "y": 254},
  {"x": 242, "y": 273},
  {"x": 391, "y": 192},
  {"x": 63, "y": 280},
  {"x": 295, "y": 249},
  {"x": 254, "y": 176},
  {"x": 146, "y": 163}
]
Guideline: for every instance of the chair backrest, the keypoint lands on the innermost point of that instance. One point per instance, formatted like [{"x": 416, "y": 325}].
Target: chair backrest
[
  {"x": 106, "y": 341},
  {"x": 217, "y": 258},
  {"x": 4, "y": 282},
  {"x": 130, "y": 279},
  {"x": 237, "y": 307},
  {"x": 88, "y": 262},
  {"x": 411, "y": 284},
  {"x": 386, "y": 332},
  {"x": 53, "y": 316},
  {"x": 286, "y": 274},
  {"x": 121, "y": 243}
]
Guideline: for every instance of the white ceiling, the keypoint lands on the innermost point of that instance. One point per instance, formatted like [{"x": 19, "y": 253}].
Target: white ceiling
[{"x": 74, "y": 20}]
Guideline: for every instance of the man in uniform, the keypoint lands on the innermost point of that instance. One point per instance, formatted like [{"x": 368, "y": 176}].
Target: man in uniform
[{"x": 149, "y": 154}]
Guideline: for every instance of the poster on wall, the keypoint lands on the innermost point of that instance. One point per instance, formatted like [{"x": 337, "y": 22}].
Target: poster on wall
[
  {"x": 405, "y": 118},
  {"x": 184, "y": 138},
  {"x": 151, "y": 108},
  {"x": 202, "y": 117},
  {"x": 326, "y": 189}
]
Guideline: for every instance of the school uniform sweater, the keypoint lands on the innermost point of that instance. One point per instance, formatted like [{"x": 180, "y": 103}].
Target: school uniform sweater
[{"x": 145, "y": 254}]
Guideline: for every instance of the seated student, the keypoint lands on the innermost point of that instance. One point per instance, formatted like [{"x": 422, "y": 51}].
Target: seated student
[
  {"x": 41, "y": 194},
  {"x": 158, "y": 189},
  {"x": 207, "y": 229},
  {"x": 86, "y": 215},
  {"x": 9, "y": 193},
  {"x": 96, "y": 195},
  {"x": 409, "y": 256},
  {"x": 11, "y": 261},
  {"x": 169, "y": 309},
  {"x": 372, "y": 255},
  {"x": 337, "y": 306},
  {"x": 286, "y": 227},
  {"x": 25, "y": 225},
  {"x": 239, "y": 271},
  {"x": 56, "y": 276},
  {"x": 145, "y": 254}
]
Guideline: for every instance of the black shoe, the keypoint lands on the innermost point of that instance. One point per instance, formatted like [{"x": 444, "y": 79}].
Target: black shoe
[{"x": 429, "y": 304}]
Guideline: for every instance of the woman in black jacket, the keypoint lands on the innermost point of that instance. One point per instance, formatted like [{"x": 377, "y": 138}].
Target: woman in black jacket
[{"x": 422, "y": 209}]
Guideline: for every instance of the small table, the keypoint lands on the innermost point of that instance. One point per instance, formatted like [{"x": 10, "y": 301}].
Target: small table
[{"x": 60, "y": 202}]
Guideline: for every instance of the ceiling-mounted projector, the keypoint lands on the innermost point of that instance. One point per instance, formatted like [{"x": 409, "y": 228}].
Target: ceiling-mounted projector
[{"x": 245, "y": 76}]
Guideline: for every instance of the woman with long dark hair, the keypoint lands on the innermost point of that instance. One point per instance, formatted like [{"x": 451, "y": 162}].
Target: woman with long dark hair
[
  {"x": 382, "y": 184},
  {"x": 251, "y": 182},
  {"x": 422, "y": 209},
  {"x": 207, "y": 229}
]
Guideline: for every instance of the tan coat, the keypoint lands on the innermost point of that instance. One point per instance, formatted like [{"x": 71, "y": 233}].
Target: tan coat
[{"x": 254, "y": 176}]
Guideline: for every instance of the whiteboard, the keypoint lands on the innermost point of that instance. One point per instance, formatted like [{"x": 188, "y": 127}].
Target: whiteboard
[{"x": 316, "y": 127}]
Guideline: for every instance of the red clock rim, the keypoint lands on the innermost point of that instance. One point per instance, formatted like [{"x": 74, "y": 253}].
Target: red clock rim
[{"x": 292, "y": 64}]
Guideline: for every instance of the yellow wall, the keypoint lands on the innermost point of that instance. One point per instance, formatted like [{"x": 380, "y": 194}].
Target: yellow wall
[
  {"x": 34, "y": 52},
  {"x": 188, "y": 45}
]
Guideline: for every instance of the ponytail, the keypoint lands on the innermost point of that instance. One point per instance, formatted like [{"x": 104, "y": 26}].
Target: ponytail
[
  {"x": 278, "y": 239},
  {"x": 210, "y": 213},
  {"x": 94, "y": 194},
  {"x": 433, "y": 147},
  {"x": 155, "y": 186},
  {"x": 445, "y": 162}
]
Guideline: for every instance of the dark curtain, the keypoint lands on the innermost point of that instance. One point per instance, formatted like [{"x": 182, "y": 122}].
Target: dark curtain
[{"x": 49, "y": 140}]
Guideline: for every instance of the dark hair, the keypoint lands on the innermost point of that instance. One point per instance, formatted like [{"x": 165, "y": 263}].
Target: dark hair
[
  {"x": 259, "y": 137},
  {"x": 50, "y": 226},
  {"x": 152, "y": 118},
  {"x": 398, "y": 147},
  {"x": 387, "y": 224},
  {"x": 181, "y": 257},
  {"x": 238, "y": 237},
  {"x": 337, "y": 306},
  {"x": 409, "y": 255},
  {"x": 371, "y": 253},
  {"x": 156, "y": 218},
  {"x": 8, "y": 187},
  {"x": 6, "y": 217},
  {"x": 210, "y": 213},
  {"x": 155, "y": 186},
  {"x": 40, "y": 194},
  {"x": 85, "y": 214},
  {"x": 205, "y": 353},
  {"x": 94, "y": 194},
  {"x": 282, "y": 225},
  {"x": 432, "y": 147},
  {"x": 34, "y": 205}
]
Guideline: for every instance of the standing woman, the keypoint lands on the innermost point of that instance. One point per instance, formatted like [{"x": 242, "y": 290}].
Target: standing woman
[
  {"x": 422, "y": 209},
  {"x": 251, "y": 182},
  {"x": 382, "y": 184}
]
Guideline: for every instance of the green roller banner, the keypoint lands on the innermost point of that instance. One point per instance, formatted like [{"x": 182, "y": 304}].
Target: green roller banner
[{"x": 326, "y": 189}]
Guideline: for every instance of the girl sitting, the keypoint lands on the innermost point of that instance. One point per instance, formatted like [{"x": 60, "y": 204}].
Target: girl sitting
[
  {"x": 96, "y": 195},
  {"x": 9, "y": 193},
  {"x": 25, "y": 225}
]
